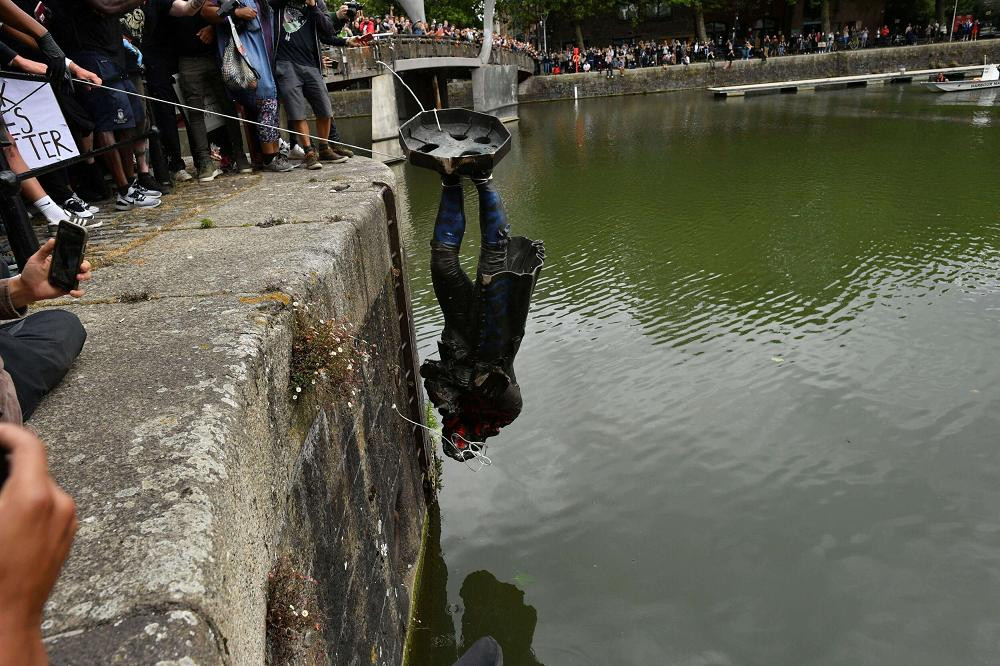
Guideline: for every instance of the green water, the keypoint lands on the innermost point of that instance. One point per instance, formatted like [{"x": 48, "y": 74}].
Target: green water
[{"x": 762, "y": 388}]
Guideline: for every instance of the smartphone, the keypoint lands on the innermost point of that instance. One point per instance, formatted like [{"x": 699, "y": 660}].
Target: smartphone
[{"x": 71, "y": 246}]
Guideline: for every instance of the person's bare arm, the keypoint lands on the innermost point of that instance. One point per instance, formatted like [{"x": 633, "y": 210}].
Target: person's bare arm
[
  {"x": 186, "y": 7},
  {"x": 22, "y": 37},
  {"x": 15, "y": 17},
  {"x": 113, "y": 7},
  {"x": 37, "y": 525},
  {"x": 28, "y": 66}
]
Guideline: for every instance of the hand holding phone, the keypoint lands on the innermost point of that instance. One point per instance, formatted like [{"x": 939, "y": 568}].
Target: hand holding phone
[
  {"x": 67, "y": 257},
  {"x": 36, "y": 283}
]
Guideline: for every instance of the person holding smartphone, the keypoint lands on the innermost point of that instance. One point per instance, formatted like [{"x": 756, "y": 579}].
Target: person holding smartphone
[
  {"x": 37, "y": 350},
  {"x": 37, "y": 526}
]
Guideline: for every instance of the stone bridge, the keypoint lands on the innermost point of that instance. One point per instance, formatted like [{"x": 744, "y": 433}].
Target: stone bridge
[
  {"x": 406, "y": 54},
  {"x": 426, "y": 64}
]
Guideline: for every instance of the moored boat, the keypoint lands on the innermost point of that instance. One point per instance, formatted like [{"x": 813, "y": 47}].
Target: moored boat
[{"x": 989, "y": 79}]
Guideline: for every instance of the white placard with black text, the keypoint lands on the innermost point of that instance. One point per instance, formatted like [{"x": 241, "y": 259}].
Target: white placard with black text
[{"x": 34, "y": 121}]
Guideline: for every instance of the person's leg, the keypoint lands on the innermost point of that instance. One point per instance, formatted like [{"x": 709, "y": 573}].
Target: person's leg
[
  {"x": 193, "y": 90},
  {"x": 290, "y": 91},
  {"x": 159, "y": 84},
  {"x": 37, "y": 351},
  {"x": 314, "y": 90},
  {"x": 493, "y": 226},
  {"x": 32, "y": 190},
  {"x": 452, "y": 286},
  {"x": 234, "y": 128},
  {"x": 267, "y": 132}
]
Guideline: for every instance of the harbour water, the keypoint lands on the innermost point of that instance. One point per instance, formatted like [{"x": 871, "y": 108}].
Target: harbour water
[{"x": 761, "y": 384}]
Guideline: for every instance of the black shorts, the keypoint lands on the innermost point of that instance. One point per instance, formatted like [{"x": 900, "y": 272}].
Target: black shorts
[
  {"x": 112, "y": 110},
  {"x": 79, "y": 120}
]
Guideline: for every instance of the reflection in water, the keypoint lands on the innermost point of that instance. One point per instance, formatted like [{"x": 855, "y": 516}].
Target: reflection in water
[
  {"x": 490, "y": 608},
  {"x": 497, "y": 609}
]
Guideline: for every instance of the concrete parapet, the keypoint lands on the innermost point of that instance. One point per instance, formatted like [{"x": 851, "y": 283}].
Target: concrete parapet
[{"x": 198, "y": 479}]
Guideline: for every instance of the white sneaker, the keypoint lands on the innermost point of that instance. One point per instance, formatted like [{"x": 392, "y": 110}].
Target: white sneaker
[
  {"x": 87, "y": 223},
  {"x": 182, "y": 176},
  {"x": 76, "y": 206},
  {"x": 135, "y": 199},
  {"x": 296, "y": 153}
]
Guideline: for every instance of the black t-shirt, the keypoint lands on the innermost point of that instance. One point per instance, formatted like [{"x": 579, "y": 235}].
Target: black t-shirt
[
  {"x": 156, "y": 32},
  {"x": 78, "y": 28},
  {"x": 183, "y": 31},
  {"x": 298, "y": 40}
]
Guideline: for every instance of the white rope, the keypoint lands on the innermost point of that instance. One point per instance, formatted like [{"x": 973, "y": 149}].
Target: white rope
[
  {"x": 238, "y": 119},
  {"x": 477, "y": 454}
]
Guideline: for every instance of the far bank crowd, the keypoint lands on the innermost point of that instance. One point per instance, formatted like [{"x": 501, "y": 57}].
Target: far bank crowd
[{"x": 665, "y": 53}]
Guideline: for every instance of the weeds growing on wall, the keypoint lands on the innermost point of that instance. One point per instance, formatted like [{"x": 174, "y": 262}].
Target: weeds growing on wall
[
  {"x": 327, "y": 358},
  {"x": 430, "y": 418},
  {"x": 293, "y": 613}
]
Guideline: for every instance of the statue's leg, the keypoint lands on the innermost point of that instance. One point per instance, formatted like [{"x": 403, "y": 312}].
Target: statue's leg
[
  {"x": 493, "y": 226},
  {"x": 451, "y": 285}
]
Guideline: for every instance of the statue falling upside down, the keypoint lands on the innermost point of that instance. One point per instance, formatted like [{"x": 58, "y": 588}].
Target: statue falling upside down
[{"x": 473, "y": 385}]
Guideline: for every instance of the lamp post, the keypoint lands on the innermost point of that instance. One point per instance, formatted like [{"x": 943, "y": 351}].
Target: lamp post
[{"x": 954, "y": 15}]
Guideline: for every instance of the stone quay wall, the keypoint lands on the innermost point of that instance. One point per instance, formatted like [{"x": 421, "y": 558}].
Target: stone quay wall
[
  {"x": 787, "y": 68},
  {"x": 213, "y": 507},
  {"x": 348, "y": 103}
]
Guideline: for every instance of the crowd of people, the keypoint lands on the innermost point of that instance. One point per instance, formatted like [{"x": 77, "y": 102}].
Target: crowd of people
[
  {"x": 143, "y": 48},
  {"x": 392, "y": 25},
  {"x": 754, "y": 44},
  {"x": 121, "y": 51}
]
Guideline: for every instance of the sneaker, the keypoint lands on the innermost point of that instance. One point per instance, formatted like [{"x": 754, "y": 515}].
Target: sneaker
[
  {"x": 208, "y": 174},
  {"x": 91, "y": 207},
  {"x": 341, "y": 150},
  {"x": 182, "y": 176},
  {"x": 296, "y": 153},
  {"x": 146, "y": 185},
  {"x": 78, "y": 207},
  {"x": 279, "y": 164},
  {"x": 86, "y": 223},
  {"x": 311, "y": 161},
  {"x": 135, "y": 199},
  {"x": 327, "y": 154},
  {"x": 243, "y": 165}
]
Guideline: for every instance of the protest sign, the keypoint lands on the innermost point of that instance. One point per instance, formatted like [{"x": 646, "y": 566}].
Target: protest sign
[{"x": 35, "y": 123}]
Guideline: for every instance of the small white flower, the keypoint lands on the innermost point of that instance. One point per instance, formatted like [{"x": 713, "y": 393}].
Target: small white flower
[
  {"x": 340, "y": 349},
  {"x": 350, "y": 404},
  {"x": 295, "y": 304},
  {"x": 295, "y": 397},
  {"x": 321, "y": 321},
  {"x": 305, "y": 613},
  {"x": 298, "y": 389}
]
